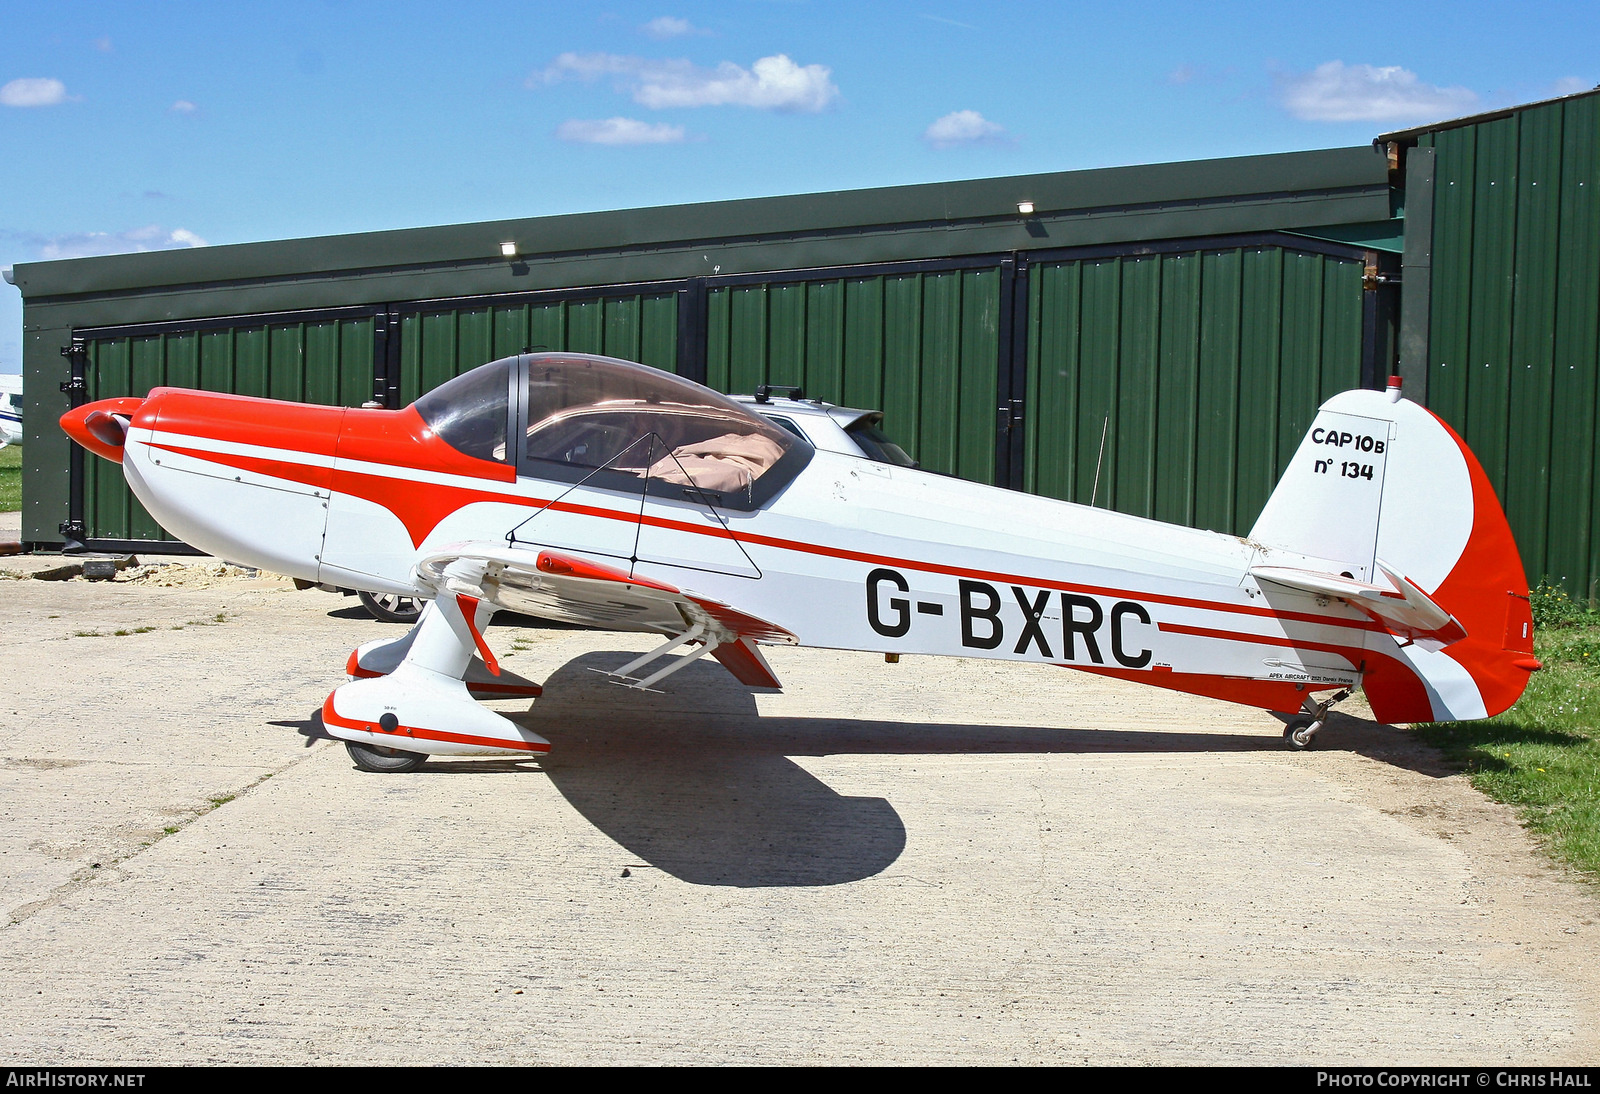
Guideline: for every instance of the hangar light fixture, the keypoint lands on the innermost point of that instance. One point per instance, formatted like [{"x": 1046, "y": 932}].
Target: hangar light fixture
[
  {"x": 508, "y": 249},
  {"x": 1025, "y": 208}
]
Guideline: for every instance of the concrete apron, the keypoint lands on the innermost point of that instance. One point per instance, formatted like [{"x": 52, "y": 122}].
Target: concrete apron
[{"x": 935, "y": 861}]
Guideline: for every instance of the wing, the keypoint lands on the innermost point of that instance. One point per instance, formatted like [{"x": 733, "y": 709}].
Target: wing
[{"x": 568, "y": 587}]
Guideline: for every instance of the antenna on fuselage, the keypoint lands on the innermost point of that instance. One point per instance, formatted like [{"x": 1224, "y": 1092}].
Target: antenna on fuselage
[{"x": 1099, "y": 460}]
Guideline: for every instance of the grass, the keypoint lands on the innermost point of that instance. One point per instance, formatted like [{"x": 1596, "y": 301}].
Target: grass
[
  {"x": 220, "y": 617},
  {"x": 1543, "y": 755},
  {"x": 10, "y": 478}
]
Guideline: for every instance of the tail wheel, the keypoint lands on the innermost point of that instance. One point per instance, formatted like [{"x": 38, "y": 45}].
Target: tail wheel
[
  {"x": 1301, "y": 733},
  {"x": 386, "y": 761},
  {"x": 392, "y": 607}
]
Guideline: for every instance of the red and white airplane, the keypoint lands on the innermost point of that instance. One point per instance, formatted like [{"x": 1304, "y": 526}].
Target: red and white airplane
[{"x": 606, "y": 493}]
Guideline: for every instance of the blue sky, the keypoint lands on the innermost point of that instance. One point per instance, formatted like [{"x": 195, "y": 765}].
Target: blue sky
[{"x": 142, "y": 126}]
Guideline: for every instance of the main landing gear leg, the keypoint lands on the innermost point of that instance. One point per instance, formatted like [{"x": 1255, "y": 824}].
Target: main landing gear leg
[
  {"x": 1300, "y": 732},
  {"x": 392, "y": 721}
]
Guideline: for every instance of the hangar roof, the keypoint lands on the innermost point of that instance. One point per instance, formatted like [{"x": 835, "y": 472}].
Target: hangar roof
[
  {"x": 1291, "y": 191},
  {"x": 1407, "y": 136}
]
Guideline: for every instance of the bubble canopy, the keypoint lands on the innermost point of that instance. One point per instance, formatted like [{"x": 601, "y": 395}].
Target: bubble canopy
[{"x": 614, "y": 425}]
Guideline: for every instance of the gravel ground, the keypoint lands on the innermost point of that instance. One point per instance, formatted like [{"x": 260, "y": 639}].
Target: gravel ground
[{"x": 940, "y": 861}]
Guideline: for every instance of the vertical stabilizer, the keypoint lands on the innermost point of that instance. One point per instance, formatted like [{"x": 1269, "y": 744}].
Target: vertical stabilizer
[{"x": 1382, "y": 491}]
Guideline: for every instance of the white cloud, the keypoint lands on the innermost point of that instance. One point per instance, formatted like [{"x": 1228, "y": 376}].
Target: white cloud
[
  {"x": 1336, "y": 92},
  {"x": 183, "y": 106},
  {"x": 33, "y": 91},
  {"x": 151, "y": 237},
  {"x": 772, "y": 83},
  {"x": 668, "y": 26},
  {"x": 963, "y": 127},
  {"x": 1569, "y": 85},
  {"x": 103, "y": 43},
  {"x": 619, "y": 131}
]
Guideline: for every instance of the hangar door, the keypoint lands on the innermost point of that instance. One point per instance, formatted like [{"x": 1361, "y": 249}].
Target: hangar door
[
  {"x": 440, "y": 339},
  {"x": 1170, "y": 380},
  {"x": 919, "y": 341},
  {"x": 313, "y": 357},
  {"x": 1177, "y": 384},
  {"x": 340, "y": 357}
]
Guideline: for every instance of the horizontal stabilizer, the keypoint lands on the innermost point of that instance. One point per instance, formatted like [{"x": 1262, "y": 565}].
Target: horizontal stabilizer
[{"x": 1403, "y": 608}]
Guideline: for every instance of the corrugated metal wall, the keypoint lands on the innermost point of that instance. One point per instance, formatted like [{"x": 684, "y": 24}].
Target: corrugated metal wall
[
  {"x": 1177, "y": 386},
  {"x": 1513, "y": 352},
  {"x": 1201, "y": 368},
  {"x": 443, "y": 341},
  {"x": 318, "y": 361},
  {"x": 334, "y": 361},
  {"x": 921, "y": 346}
]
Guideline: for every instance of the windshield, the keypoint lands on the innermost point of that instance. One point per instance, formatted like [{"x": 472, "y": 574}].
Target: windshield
[{"x": 469, "y": 412}]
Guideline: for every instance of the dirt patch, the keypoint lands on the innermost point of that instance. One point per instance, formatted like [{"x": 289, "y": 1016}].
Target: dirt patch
[{"x": 200, "y": 575}]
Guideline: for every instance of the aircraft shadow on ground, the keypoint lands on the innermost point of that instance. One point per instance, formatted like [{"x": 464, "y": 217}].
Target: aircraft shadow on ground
[{"x": 696, "y": 783}]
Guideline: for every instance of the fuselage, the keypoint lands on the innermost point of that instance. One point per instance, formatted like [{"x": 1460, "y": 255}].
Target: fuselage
[{"x": 850, "y": 554}]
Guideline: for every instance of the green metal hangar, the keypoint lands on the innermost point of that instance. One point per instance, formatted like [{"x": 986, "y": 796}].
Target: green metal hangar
[
  {"x": 1154, "y": 339},
  {"x": 1187, "y": 313}
]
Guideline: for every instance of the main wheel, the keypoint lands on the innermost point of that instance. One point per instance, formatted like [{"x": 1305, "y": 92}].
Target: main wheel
[
  {"x": 1300, "y": 733},
  {"x": 392, "y": 607},
  {"x": 384, "y": 760}
]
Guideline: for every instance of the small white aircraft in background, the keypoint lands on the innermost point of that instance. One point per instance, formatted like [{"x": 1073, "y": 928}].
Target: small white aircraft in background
[
  {"x": 601, "y": 492},
  {"x": 10, "y": 410}
]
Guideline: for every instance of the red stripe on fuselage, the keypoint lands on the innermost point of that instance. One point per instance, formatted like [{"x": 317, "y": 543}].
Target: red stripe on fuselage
[
  {"x": 390, "y": 438},
  {"x": 420, "y": 506},
  {"x": 1353, "y": 654},
  {"x": 1389, "y": 675},
  {"x": 318, "y": 478}
]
